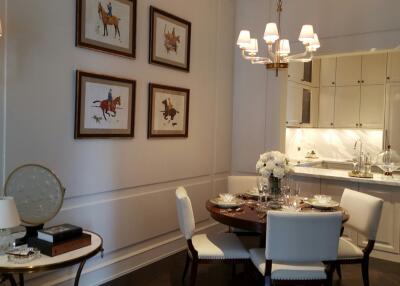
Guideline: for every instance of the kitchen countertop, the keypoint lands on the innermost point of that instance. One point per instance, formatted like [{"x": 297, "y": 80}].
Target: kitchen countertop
[{"x": 305, "y": 168}]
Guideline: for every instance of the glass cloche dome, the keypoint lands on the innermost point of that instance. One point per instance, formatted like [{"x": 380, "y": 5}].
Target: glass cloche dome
[{"x": 388, "y": 161}]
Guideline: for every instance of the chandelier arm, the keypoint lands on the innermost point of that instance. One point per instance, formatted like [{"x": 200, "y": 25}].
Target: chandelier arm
[
  {"x": 262, "y": 61},
  {"x": 298, "y": 56},
  {"x": 254, "y": 58}
]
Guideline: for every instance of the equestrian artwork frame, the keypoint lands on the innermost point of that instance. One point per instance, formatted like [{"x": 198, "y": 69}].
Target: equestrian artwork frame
[
  {"x": 168, "y": 111},
  {"x": 170, "y": 40},
  {"x": 107, "y": 25},
  {"x": 104, "y": 106}
]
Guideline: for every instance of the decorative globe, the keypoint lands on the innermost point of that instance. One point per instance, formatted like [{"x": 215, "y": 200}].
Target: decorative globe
[{"x": 388, "y": 161}]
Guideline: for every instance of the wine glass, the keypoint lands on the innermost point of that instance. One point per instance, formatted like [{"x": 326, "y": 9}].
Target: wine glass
[
  {"x": 260, "y": 187},
  {"x": 286, "y": 189}
]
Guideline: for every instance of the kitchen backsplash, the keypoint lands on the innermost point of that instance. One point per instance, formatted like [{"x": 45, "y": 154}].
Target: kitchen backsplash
[{"x": 336, "y": 144}]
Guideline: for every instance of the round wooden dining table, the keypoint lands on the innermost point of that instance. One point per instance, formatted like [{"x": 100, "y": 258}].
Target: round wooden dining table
[{"x": 249, "y": 218}]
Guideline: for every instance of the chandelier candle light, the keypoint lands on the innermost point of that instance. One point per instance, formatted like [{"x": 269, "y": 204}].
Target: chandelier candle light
[{"x": 278, "y": 49}]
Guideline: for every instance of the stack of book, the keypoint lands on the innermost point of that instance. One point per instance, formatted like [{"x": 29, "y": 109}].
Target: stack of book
[{"x": 60, "y": 239}]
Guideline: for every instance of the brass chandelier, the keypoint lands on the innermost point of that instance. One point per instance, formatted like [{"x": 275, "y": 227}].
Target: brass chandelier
[{"x": 278, "y": 49}]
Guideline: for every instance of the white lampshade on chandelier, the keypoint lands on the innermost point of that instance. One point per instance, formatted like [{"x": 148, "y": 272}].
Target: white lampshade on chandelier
[{"x": 278, "y": 55}]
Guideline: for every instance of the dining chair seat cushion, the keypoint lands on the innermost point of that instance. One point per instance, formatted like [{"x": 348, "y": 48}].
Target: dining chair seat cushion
[
  {"x": 219, "y": 246},
  {"x": 284, "y": 271},
  {"x": 348, "y": 250}
]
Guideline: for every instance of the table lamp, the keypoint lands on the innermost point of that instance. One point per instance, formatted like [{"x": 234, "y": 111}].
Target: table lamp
[{"x": 9, "y": 218}]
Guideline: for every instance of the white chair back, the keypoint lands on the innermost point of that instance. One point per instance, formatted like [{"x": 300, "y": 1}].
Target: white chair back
[
  {"x": 241, "y": 184},
  {"x": 365, "y": 212},
  {"x": 185, "y": 213},
  {"x": 302, "y": 237}
]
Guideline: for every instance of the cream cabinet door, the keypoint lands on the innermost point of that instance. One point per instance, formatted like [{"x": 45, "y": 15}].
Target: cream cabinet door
[
  {"x": 347, "y": 107},
  {"x": 296, "y": 71},
  {"x": 388, "y": 236},
  {"x": 348, "y": 70},
  {"x": 328, "y": 72},
  {"x": 335, "y": 188},
  {"x": 308, "y": 186},
  {"x": 372, "y": 106},
  {"x": 393, "y": 115},
  {"x": 374, "y": 69},
  {"x": 294, "y": 104},
  {"x": 394, "y": 67},
  {"x": 326, "y": 107}
]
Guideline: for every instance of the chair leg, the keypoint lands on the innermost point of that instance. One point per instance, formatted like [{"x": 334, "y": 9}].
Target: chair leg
[
  {"x": 268, "y": 281},
  {"x": 233, "y": 270},
  {"x": 193, "y": 273},
  {"x": 365, "y": 274},
  {"x": 339, "y": 270},
  {"x": 186, "y": 266}
]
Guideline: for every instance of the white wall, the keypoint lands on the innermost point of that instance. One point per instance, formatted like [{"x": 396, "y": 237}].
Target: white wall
[
  {"x": 120, "y": 188},
  {"x": 342, "y": 26}
]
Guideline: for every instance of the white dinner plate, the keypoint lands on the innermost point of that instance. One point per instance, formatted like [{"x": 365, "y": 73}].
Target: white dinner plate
[
  {"x": 226, "y": 205},
  {"x": 322, "y": 205}
]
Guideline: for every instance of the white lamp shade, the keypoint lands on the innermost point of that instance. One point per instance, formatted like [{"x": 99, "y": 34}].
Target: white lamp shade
[
  {"x": 315, "y": 44},
  {"x": 253, "y": 47},
  {"x": 307, "y": 34},
  {"x": 284, "y": 47},
  {"x": 271, "y": 33},
  {"x": 243, "y": 40},
  {"x": 9, "y": 216}
]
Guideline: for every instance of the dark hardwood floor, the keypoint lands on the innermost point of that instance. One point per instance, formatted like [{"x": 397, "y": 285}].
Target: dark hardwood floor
[{"x": 168, "y": 272}]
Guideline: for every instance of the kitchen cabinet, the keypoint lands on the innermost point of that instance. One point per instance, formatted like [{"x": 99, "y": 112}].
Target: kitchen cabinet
[
  {"x": 296, "y": 71},
  {"x": 347, "y": 107},
  {"x": 393, "y": 67},
  {"x": 308, "y": 186},
  {"x": 294, "y": 104},
  {"x": 306, "y": 73},
  {"x": 373, "y": 69},
  {"x": 328, "y": 72},
  {"x": 388, "y": 235},
  {"x": 301, "y": 107},
  {"x": 372, "y": 106},
  {"x": 392, "y": 130},
  {"x": 326, "y": 113},
  {"x": 348, "y": 70}
]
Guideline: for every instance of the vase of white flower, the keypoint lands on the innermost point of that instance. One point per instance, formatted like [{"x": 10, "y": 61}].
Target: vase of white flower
[{"x": 273, "y": 166}]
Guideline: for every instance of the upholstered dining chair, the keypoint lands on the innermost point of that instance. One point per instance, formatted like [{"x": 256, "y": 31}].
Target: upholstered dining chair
[
  {"x": 365, "y": 213},
  {"x": 204, "y": 248},
  {"x": 301, "y": 248},
  {"x": 240, "y": 184}
]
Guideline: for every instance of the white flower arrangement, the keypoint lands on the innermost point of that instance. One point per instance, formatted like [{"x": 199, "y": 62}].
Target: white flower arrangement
[{"x": 274, "y": 164}]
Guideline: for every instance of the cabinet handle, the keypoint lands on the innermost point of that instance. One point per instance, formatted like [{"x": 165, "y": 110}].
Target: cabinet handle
[
  {"x": 388, "y": 77},
  {"x": 357, "y": 124},
  {"x": 360, "y": 124},
  {"x": 287, "y": 122},
  {"x": 358, "y": 81},
  {"x": 288, "y": 75},
  {"x": 331, "y": 123},
  {"x": 333, "y": 82},
  {"x": 362, "y": 81}
]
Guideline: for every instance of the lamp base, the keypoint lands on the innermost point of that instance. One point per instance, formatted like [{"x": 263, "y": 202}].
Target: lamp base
[
  {"x": 5, "y": 240},
  {"x": 277, "y": 65},
  {"x": 31, "y": 231}
]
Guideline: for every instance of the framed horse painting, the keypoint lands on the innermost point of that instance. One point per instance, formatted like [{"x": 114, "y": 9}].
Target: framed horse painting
[
  {"x": 104, "y": 107},
  {"x": 169, "y": 40},
  {"x": 107, "y": 25},
  {"x": 168, "y": 111}
]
